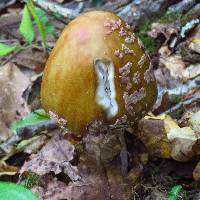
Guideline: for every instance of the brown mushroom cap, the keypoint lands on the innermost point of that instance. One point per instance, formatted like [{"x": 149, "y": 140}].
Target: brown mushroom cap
[{"x": 98, "y": 69}]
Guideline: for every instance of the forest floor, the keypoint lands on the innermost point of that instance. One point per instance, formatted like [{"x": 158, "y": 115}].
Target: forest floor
[{"x": 164, "y": 149}]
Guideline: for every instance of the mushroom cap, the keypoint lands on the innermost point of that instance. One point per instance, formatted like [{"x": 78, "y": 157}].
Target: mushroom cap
[{"x": 98, "y": 69}]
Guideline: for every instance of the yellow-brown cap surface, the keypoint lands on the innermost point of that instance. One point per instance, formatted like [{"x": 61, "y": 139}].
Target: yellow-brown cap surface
[{"x": 98, "y": 69}]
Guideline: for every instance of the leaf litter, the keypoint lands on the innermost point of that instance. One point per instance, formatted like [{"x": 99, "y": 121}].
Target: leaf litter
[{"x": 91, "y": 166}]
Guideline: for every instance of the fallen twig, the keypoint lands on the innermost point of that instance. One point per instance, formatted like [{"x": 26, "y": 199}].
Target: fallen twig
[
  {"x": 183, "y": 89},
  {"x": 180, "y": 90},
  {"x": 24, "y": 133},
  {"x": 5, "y": 3},
  {"x": 183, "y": 103},
  {"x": 55, "y": 8}
]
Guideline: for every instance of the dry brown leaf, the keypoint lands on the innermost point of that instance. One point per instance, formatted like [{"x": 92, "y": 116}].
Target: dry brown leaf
[
  {"x": 101, "y": 176},
  {"x": 164, "y": 51},
  {"x": 55, "y": 157},
  {"x": 9, "y": 24},
  {"x": 153, "y": 134},
  {"x": 194, "y": 40},
  {"x": 174, "y": 64},
  {"x": 7, "y": 169},
  {"x": 165, "y": 29},
  {"x": 196, "y": 173},
  {"x": 13, "y": 107},
  {"x": 163, "y": 138},
  {"x": 195, "y": 122},
  {"x": 183, "y": 141},
  {"x": 36, "y": 143},
  {"x": 169, "y": 123},
  {"x": 5, "y": 132},
  {"x": 195, "y": 45},
  {"x": 98, "y": 182},
  {"x": 191, "y": 72},
  {"x": 103, "y": 148},
  {"x": 31, "y": 58},
  {"x": 55, "y": 190}
]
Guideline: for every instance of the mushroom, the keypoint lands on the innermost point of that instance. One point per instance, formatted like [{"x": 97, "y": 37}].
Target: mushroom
[{"x": 98, "y": 70}]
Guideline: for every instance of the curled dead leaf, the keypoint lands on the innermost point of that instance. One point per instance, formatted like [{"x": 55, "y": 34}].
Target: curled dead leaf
[
  {"x": 183, "y": 140},
  {"x": 174, "y": 64},
  {"x": 13, "y": 106},
  {"x": 55, "y": 157},
  {"x": 195, "y": 122},
  {"x": 97, "y": 182},
  {"x": 7, "y": 169},
  {"x": 196, "y": 173},
  {"x": 194, "y": 40},
  {"x": 166, "y": 29},
  {"x": 153, "y": 134},
  {"x": 163, "y": 138},
  {"x": 31, "y": 58},
  {"x": 191, "y": 72}
]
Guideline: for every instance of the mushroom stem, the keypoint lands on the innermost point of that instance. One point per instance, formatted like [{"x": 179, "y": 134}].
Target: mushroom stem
[{"x": 123, "y": 153}]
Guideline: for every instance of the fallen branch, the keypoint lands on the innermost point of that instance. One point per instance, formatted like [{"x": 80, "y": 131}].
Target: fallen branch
[
  {"x": 180, "y": 90},
  {"x": 55, "y": 8},
  {"x": 136, "y": 12}
]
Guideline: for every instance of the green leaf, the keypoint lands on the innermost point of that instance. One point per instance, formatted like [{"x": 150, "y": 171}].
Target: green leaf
[
  {"x": 171, "y": 197},
  {"x": 49, "y": 27},
  {"x": 33, "y": 118},
  {"x": 11, "y": 191},
  {"x": 39, "y": 23},
  {"x": 42, "y": 15},
  {"x": 5, "y": 49},
  {"x": 26, "y": 26},
  {"x": 175, "y": 192}
]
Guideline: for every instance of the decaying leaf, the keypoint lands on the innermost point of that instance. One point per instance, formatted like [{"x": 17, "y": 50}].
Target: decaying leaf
[
  {"x": 183, "y": 141},
  {"x": 174, "y": 64},
  {"x": 7, "y": 169},
  {"x": 5, "y": 132},
  {"x": 191, "y": 72},
  {"x": 55, "y": 156},
  {"x": 153, "y": 134},
  {"x": 31, "y": 58},
  {"x": 100, "y": 174},
  {"x": 97, "y": 182},
  {"x": 178, "y": 69},
  {"x": 55, "y": 190},
  {"x": 33, "y": 144},
  {"x": 196, "y": 173},
  {"x": 194, "y": 40},
  {"x": 9, "y": 24},
  {"x": 164, "y": 51},
  {"x": 103, "y": 148},
  {"x": 12, "y": 104},
  {"x": 165, "y": 29},
  {"x": 163, "y": 138},
  {"x": 195, "y": 122}
]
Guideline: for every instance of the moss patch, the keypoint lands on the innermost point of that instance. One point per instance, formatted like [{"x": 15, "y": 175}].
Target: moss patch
[
  {"x": 148, "y": 42},
  {"x": 152, "y": 44},
  {"x": 31, "y": 180}
]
